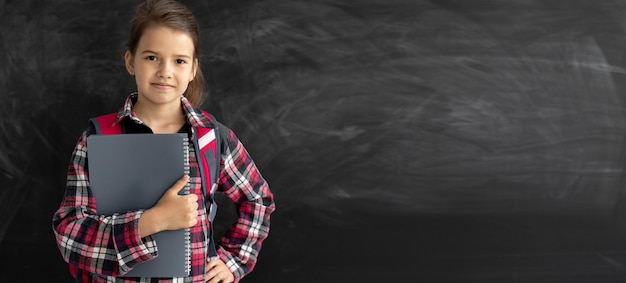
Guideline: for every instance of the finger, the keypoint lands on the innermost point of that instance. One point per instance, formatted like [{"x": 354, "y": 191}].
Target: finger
[
  {"x": 210, "y": 275},
  {"x": 193, "y": 216},
  {"x": 179, "y": 184},
  {"x": 184, "y": 178},
  {"x": 217, "y": 272},
  {"x": 210, "y": 265},
  {"x": 214, "y": 279}
]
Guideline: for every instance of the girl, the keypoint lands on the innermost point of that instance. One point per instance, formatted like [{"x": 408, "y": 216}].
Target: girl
[{"x": 162, "y": 55}]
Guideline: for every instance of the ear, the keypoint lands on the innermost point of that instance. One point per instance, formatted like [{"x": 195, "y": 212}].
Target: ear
[
  {"x": 128, "y": 58},
  {"x": 194, "y": 70}
]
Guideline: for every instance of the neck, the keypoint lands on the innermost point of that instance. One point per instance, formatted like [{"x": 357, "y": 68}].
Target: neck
[{"x": 161, "y": 119}]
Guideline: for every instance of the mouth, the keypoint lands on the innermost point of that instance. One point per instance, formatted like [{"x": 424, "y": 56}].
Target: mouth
[{"x": 162, "y": 85}]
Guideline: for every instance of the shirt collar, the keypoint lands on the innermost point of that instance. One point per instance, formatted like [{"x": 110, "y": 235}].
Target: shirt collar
[{"x": 194, "y": 116}]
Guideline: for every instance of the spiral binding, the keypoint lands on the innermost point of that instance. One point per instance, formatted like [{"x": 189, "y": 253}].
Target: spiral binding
[
  {"x": 186, "y": 191},
  {"x": 186, "y": 166}
]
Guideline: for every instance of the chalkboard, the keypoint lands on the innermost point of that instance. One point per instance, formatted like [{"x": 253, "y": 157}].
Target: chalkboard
[{"x": 405, "y": 141}]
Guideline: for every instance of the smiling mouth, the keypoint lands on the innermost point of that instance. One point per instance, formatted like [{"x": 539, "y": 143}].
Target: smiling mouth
[{"x": 160, "y": 85}]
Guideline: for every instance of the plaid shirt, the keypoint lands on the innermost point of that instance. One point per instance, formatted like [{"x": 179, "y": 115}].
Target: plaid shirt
[{"x": 85, "y": 238}]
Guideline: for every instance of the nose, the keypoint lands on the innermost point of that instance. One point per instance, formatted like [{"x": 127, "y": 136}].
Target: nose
[{"x": 165, "y": 71}]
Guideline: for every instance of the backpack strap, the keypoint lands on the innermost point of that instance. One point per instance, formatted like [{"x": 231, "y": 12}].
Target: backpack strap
[
  {"x": 208, "y": 146},
  {"x": 106, "y": 125}
]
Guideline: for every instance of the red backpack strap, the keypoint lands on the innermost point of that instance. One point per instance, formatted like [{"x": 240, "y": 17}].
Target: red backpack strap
[
  {"x": 208, "y": 147},
  {"x": 106, "y": 124},
  {"x": 208, "y": 153}
]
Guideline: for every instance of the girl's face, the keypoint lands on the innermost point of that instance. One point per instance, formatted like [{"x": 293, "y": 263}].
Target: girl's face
[{"x": 163, "y": 65}]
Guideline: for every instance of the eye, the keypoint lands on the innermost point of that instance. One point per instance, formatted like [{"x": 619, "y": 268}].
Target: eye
[
  {"x": 151, "y": 58},
  {"x": 180, "y": 61}
]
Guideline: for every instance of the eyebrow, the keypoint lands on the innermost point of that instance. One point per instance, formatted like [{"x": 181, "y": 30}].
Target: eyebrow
[{"x": 177, "y": 55}]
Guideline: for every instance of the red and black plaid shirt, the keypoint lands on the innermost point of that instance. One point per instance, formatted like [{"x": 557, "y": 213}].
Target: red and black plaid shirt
[{"x": 85, "y": 238}]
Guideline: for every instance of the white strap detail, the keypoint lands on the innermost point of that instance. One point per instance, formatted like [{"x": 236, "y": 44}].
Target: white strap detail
[{"x": 206, "y": 139}]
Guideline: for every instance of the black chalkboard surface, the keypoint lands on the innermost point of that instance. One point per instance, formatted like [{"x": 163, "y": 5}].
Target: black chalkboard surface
[{"x": 405, "y": 140}]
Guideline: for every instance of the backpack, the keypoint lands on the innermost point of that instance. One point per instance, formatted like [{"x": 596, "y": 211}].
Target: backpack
[{"x": 208, "y": 150}]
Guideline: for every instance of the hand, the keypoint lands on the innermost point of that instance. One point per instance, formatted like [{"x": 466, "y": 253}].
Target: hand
[
  {"x": 172, "y": 211},
  {"x": 179, "y": 211},
  {"x": 218, "y": 272}
]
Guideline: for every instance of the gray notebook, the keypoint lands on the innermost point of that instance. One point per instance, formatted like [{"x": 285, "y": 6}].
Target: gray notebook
[{"x": 132, "y": 171}]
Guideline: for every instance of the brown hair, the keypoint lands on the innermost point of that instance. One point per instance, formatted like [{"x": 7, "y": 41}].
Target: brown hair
[{"x": 174, "y": 15}]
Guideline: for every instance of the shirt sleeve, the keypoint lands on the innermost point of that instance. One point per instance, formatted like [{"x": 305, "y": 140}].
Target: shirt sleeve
[
  {"x": 106, "y": 245},
  {"x": 242, "y": 182}
]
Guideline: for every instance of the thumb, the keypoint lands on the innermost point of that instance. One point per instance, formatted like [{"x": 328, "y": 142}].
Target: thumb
[{"x": 179, "y": 185}]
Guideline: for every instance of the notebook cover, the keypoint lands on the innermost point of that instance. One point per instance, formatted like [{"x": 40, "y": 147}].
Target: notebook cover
[{"x": 132, "y": 171}]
